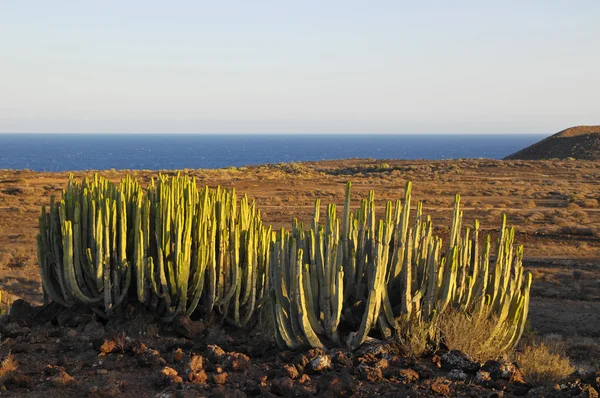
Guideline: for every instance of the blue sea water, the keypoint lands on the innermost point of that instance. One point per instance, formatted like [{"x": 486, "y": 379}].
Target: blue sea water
[{"x": 62, "y": 152}]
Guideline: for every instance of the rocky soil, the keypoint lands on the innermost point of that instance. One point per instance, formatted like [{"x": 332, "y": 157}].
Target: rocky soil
[{"x": 69, "y": 353}]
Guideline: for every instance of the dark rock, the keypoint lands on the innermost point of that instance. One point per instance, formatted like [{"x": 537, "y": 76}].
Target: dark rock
[
  {"x": 335, "y": 385},
  {"x": 341, "y": 359},
  {"x": 320, "y": 364},
  {"x": 220, "y": 378},
  {"x": 500, "y": 370},
  {"x": 408, "y": 376},
  {"x": 593, "y": 379},
  {"x": 369, "y": 373},
  {"x": 283, "y": 387},
  {"x": 61, "y": 379},
  {"x": 457, "y": 360},
  {"x": 306, "y": 357},
  {"x": 198, "y": 376},
  {"x": 22, "y": 381},
  {"x": 438, "y": 386},
  {"x": 168, "y": 376},
  {"x": 482, "y": 378},
  {"x": 237, "y": 362},
  {"x": 94, "y": 330},
  {"x": 457, "y": 375},
  {"x": 223, "y": 392},
  {"x": 183, "y": 325},
  {"x": 290, "y": 371},
  {"x": 148, "y": 357},
  {"x": 214, "y": 353},
  {"x": 587, "y": 391},
  {"x": 520, "y": 390},
  {"x": 13, "y": 330}
]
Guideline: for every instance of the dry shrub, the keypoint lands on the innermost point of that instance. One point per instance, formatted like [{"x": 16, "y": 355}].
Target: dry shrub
[
  {"x": 543, "y": 364},
  {"x": 470, "y": 335},
  {"x": 416, "y": 337},
  {"x": 7, "y": 368}
]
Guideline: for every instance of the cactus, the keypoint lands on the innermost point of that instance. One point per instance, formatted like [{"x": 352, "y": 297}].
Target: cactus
[
  {"x": 394, "y": 272},
  {"x": 82, "y": 245},
  {"x": 179, "y": 245}
]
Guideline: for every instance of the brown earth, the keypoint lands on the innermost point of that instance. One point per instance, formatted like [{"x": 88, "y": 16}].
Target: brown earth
[
  {"x": 554, "y": 206},
  {"x": 581, "y": 142}
]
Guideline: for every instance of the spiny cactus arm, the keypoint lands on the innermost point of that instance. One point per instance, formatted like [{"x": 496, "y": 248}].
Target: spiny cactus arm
[
  {"x": 106, "y": 277},
  {"x": 310, "y": 304},
  {"x": 402, "y": 232},
  {"x": 377, "y": 273},
  {"x": 520, "y": 318},
  {"x": 305, "y": 323},
  {"x": 68, "y": 267}
]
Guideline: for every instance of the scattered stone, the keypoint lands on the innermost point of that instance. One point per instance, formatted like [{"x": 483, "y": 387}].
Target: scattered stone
[
  {"x": 22, "y": 381},
  {"x": 283, "y": 387},
  {"x": 108, "y": 346},
  {"x": 169, "y": 376},
  {"x": 408, "y": 376},
  {"x": 290, "y": 371},
  {"x": 94, "y": 330},
  {"x": 223, "y": 392},
  {"x": 214, "y": 353},
  {"x": 331, "y": 385},
  {"x": 457, "y": 360},
  {"x": 593, "y": 379},
  {"x": 220, "y": 378},
  {"x": 304, "y": 379},
  {"x": 587, "y": 391},
  {"x": 71, "y": 333},
  {"x": 13, "y": 330},
  {"x": 369, "y": 373},
  {"x": 482, "y": 378},
  {"x": 196, "y": 363},
  {"x": 237, "y": 362},
  {"x": 320, "y": 364},
  {"x": 178, "y": 355},
  {"x": 500, "y": 370},
  {"x": 61, "y": 379},
  {"x": 304, "y": 359},
  {"x": 457, "y": 375},
  {"x": 198, "y": 376},
  {"x": 341, "y": 359},
  {"x": 148, "y": 358},
  {"x": 438, "y": 386}
]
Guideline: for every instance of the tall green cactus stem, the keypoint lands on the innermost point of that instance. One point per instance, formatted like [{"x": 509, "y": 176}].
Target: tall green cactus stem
[
  {"x": 82, "y": 245},
  {"x": 396, "y": 273}
]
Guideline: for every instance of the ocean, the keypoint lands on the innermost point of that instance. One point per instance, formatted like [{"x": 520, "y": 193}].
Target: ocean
[{"x": 63, "y": 152}]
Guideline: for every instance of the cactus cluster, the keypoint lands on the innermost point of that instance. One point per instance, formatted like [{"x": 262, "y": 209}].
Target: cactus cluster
[
  {"x": 368, "y": 273},
  {"x": 177, "y": 250},
  {"x": 180, "y": 245}
]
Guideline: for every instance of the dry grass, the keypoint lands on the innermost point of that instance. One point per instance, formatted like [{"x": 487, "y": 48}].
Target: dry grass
[
  {"x": 7, "y": 368},
  {"x": 416, "y": 337},
  {"x": 470, "y": 335},
  {"x": 543, "y": 364}
]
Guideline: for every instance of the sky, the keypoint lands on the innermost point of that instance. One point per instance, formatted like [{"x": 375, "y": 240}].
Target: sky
[{"x": 298, "y": 66}]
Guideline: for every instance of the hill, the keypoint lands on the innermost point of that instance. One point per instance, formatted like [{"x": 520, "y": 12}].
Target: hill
[{"x": 581, "y": 142}]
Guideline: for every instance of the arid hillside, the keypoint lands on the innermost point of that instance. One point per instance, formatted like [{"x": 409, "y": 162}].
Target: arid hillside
[{"x": 581, "y": 142}]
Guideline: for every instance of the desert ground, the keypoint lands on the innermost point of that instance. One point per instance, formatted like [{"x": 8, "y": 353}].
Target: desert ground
[{"x": 554, "y": 206}]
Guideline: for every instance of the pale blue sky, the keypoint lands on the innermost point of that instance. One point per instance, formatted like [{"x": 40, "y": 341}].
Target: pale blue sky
[{"x": 299, "y": 66}]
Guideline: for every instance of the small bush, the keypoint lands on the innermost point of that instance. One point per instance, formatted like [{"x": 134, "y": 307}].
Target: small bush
[
  {"x": 544, "y": 365},
  {"x": 470, "y": 335},
  {"x": 416, "y": 337},
  {"x": 7, "y": 368}
]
